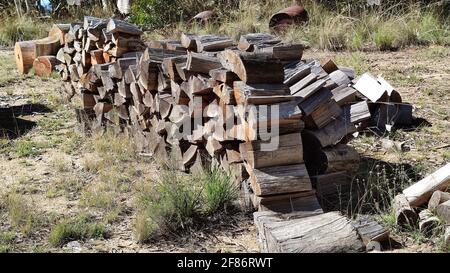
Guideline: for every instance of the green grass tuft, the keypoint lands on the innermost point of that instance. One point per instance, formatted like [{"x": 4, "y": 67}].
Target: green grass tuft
[
  {"x": 21, "y": 213},
  {"x": 179, "y": 201},
  {"x": 21, "y": 29},
  {"x": 79, "y": 228}
]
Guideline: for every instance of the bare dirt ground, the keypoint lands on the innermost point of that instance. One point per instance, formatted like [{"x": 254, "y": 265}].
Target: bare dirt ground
[{"x": 50, "y": 172}]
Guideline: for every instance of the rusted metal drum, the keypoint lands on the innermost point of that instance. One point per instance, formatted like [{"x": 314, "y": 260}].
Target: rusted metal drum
[{"x": 288, "y": 16}]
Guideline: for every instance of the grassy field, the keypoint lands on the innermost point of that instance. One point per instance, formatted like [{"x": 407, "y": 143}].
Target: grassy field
[
  {"x": 64, "y": 191},
  {"x": 345, "y": 26}
]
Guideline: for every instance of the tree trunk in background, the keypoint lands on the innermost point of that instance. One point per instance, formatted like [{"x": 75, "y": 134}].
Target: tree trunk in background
[
  {"x": 105, "y": 5},
  {"x": 124, "y": 6},
  {"x": 27, "y": 6},
  {"x": 18, "y": 5}
]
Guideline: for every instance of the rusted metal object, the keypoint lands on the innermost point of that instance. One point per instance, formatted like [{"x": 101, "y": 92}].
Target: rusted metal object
[
  {"x": 203, "y": 17},
  {"x": 288, "y": 16}
]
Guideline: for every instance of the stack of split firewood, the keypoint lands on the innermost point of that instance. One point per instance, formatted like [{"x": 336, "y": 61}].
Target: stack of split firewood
[{"x": 253, "y": 107}]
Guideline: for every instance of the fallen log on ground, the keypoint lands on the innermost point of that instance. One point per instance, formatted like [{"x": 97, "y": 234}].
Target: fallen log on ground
[{"x": 420, "y": 192}]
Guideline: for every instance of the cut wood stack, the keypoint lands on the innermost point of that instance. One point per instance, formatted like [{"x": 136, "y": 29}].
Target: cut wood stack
[{"x": 255, "y": 108}]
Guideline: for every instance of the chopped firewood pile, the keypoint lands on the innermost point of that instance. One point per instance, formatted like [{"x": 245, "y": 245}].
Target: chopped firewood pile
[{"x": 280, "y": 124}]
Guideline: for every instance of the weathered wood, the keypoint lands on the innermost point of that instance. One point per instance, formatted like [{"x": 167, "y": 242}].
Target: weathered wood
[
  {"x": 332, "y": 188},
  {"x": 292, "y": 205},
  {"x": 359, "y": 112},
  {"x": 201, "y": 63},
  {"x": 25, "y": 54},
  {"x": 328, "y": 232},
  {"x": 443, "y": 211},
  {"x": 324, "y": 114},
  {"x": 437, "y": 198},
  {"x": 289, "y": 52},
  {"x": 262, "y": 217},
  {"x": 247, "y": 42},
  {"x": 252, "y": 69},
  {"x": 339, "y": 78},
  {"x": 117, "y": 70},
  {"x": 279, "y": 179},
  {"x": 428, "y": 222},
  {"x": 392, "y": 114},
  {"x": 260, "y": 93},
  {"x": 44, "y": 65},
  {"x": 333, "y": 159},
  {"x": 370, "y": 230},
  {"x": 331, "y": 134},
  {"x": 279, "y": 150},
  {"x": 420, "y": 192},
  {"x": 329, "y": 66},
  {"x": 212, "y": 43},
  {"x": 370, "y": 88},
  {"x": 223, "y": 75},
  {"x": 115, "y": 26},
  {"x": 314, "y": 101},
  {"x": 405, "y": 216},
  {"x": 343, "y": 95},
  {"x": 295, "y": 72},
  {"x": 307, "y": 91}
]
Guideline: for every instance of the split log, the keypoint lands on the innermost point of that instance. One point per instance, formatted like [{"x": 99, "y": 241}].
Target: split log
[
  {"x": 201, "y": 63},
  {"x": 428, "y": 222},
  {"x": 328, "y": 232},
  {"x": 212, "y": 43},
  {"x": 280, "y": 150},
  {"x": 333, "y": 133},
  {"x": 443, "y": 211},
  {"x": 295, "y": 72},
  {"x": 324, "y": 114},
  {"x": 437, "y": 198},
  {"x": 405, "y": 216},
  {"x": 292, "y": 205},
  {"x": 329, "y": 66},
  {"x": 260, "y": 93},
  {"x": 252, "y": 69},
  {"x": 358, "y": 112},
  {"x": 223, "y": 75},
  {"x": 339, "y": 78},
  {"x": 249, "y": 41},
  {"x": 420, "y": 192},
  {"x": 370, "y": 230},
  {"x": 115, "y": 26},
  {"x": 310, "y": 103},
  {"x": 343, "y": 95},
  {"x": 370, "y": 88},
  {"x": 261, "y": 218},
  {"x": 307, "y": 91},
  {"x": 44, "y": 65},
  {"x": 59, "y": 30},
  {"x": 47, "y": 46},
  {"x": 279, "y": 179},
  {"x": 289, "y": 52}
]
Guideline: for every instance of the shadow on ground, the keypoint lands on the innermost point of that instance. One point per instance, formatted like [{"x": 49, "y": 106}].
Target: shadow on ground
[{"x": 12, "y": 125}]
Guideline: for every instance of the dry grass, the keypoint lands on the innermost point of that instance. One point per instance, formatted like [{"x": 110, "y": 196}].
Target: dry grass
[{"x": 344, "y": 28}]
